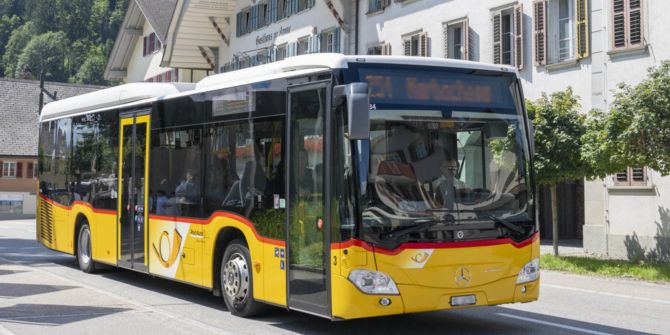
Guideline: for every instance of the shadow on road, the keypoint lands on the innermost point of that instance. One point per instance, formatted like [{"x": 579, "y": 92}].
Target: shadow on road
[
  {"x": 53, "y": 315},
  {"x": 484, "y": 320}
]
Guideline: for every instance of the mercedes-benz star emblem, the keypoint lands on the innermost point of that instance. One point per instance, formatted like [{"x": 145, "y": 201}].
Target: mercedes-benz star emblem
[{"x": 462, "y": 277}]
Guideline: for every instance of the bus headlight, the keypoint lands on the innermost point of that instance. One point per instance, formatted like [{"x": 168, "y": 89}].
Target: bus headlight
[
  {"x": 529, "y": 272},
  {"x": 373, "y": 282}
]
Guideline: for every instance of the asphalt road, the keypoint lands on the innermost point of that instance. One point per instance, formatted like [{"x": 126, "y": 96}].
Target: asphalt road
[{"x": 43, "y": 292}]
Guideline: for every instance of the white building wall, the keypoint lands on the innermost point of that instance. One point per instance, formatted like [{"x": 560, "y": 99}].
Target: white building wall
[
  {"x": 306, "y": 23},
  {"x": 141, "y": 68}
]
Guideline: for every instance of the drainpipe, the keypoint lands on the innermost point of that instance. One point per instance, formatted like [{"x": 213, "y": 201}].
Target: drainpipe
[{"x": 356, "y": 29}]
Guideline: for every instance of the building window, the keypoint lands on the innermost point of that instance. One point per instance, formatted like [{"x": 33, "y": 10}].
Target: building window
[
  {"x": 508, "y": 36},
  {"x": 380, "y": 49},
  {"x": 632, "y": 176},
  {"x": 151, "y": 44},
  {"x": 303, "y": 46},
  {"x": 329, "y": 40},
  {"x": 280, "y": 52},
  {"x": 627, "y": 24},
  {"x": 457, "y": 39},
  {"x": 263, "y": 15},
  {"x": 32, "y": 170},
  {"x": 560, "y": 29},
  {"x": 416, "y": 44},
  {"x": 377, "y": 5},
  {"x": 9, "y": 169}
]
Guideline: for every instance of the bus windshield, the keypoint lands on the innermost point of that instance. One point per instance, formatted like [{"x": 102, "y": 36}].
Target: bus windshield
[{"x": 447, "y": 159}]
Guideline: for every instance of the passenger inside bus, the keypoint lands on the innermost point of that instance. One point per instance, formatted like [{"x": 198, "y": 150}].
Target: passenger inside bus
[{"x": 188, "y": 194}]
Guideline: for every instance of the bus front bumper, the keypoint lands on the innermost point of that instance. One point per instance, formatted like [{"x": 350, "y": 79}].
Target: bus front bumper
[{"x": 351, "y": 303}]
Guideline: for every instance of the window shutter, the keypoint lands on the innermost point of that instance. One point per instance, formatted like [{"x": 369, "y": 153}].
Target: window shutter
[
  {"x": 386, "y": 49},
  {"x": 540, "y": 32},
  {"x": 445, "y": 39},
  {"x": 423, "y": 44},
  {"x": 497, "y": 38},
  {"x": 29, "y": 173},
  {"x": 408, "y": 46},
  {"x": 621, "y": 178},
  {"x": 295, "y": 7},
  {"x": 144, "y": 46},
  {"x": 618, "y": 30},
  {"x": 272, "y": 5},
  {"x": 582, "y": 21},
  {"x": 466, "y": 38},
  {"x": 238, "y": 20},
  {"x": 635, "y": 31},
  {"x": 1, "y": 166},
  {"x": 638, "y": 176},
  {"x": 518, "y": 37},
  {"x": 19, "y": 170}
]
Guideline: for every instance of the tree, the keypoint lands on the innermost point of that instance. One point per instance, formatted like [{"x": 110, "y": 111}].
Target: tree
[
  {"x": 7, "y": 25},
  {"x": 18, "y": 40},
  {"x": 44, "y": 54},
  {"x": 93, "y": 69},
  {"x": 639, "y": 122},
  {"x": 559, "y": 128}
]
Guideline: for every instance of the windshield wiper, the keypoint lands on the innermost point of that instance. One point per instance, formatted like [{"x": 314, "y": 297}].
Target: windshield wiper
[
  {"x": 423, "y": 225},
  {"x": 504, "y": 223}
]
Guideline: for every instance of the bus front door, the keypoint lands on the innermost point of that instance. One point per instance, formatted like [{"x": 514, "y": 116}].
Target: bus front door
[
  {"x": 133, "y": 174},
  {"x": 307, "y": 219}
]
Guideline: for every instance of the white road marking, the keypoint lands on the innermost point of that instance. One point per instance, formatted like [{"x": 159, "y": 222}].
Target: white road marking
[
  {"x": 610, "y": 294},
  {"x": 5, "y": 331},
  {"x": 140, "y": 305},
  {"x": 553, "y": 324}
]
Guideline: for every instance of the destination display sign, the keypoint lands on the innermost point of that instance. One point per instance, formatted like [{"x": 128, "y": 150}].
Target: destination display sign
[{"x": 422, "y": 87}]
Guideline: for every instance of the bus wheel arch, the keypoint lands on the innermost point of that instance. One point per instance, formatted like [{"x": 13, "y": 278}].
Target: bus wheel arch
[
  {"x": 79, "y": 221},
  {"x": 223, "y": 238},
  {"x": 82, "y": 245}
]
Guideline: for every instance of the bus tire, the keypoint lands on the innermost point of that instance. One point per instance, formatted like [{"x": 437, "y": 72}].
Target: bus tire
[
  {"x": 236, "y": 281},
  {"x": 84, "y": 250}
]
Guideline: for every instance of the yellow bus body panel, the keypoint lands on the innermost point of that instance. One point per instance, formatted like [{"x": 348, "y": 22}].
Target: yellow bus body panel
[{"x": 427, "y": 277}]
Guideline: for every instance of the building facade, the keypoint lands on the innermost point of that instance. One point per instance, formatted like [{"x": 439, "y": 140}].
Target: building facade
[
  {"x": 19, "y": 113},
  {"x": 589, "y": 45}
]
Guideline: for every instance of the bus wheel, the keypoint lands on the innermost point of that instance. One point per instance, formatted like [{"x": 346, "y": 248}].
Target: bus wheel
[
  {"x": 236, "y": 281},
  {"x": 84, "y": 254}
]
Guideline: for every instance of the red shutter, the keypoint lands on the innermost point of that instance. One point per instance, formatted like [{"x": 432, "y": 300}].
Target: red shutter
[
  {"x": 152, "y": 43},
  {"x": 29, "y": 173},
  {"x": 168, "y": 76},
  {"x": 19, "y": 170}
]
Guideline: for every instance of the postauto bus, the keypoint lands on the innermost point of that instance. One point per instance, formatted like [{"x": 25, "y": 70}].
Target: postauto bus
[{"x": 340, "y": 186}]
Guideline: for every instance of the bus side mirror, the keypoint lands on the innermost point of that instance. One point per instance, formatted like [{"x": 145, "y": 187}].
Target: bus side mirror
[{"x": 358, "y": 107}]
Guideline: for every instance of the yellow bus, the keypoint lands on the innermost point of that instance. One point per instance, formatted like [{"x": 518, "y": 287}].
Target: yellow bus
[{"x": 340, "y": 186}]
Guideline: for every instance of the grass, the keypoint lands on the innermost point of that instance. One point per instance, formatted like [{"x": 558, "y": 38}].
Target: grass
[{"x": 656, "y": 272}]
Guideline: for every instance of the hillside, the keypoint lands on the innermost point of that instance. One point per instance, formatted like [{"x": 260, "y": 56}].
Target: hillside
[{"x": 67, "y": 40}]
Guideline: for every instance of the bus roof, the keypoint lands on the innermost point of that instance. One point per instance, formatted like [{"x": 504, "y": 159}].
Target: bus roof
[
  {"x": 340, "y": 61},
  {"x": 113, "y": 96},
  {"x": 129, "y": 94}
]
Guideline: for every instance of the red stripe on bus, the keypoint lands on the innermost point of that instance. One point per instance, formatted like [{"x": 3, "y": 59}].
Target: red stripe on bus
[
  {"x": 233, "y": 216},
  {"x": 81, "y": 203},
  {"x": 435, "y": 245},
  {"x": 209, "y": 220}
]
